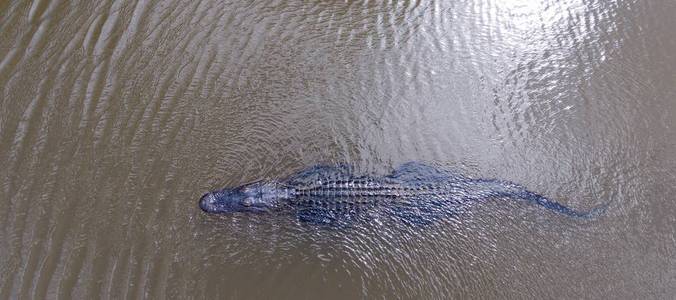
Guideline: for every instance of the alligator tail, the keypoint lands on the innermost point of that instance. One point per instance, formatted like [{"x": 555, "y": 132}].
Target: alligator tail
[
  {"x": 560, "y": 208},
  {"x": 515, "y": 191}
]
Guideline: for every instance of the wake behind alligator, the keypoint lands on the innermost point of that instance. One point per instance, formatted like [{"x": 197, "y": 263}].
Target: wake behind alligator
[{"x": 414, "y": 192}]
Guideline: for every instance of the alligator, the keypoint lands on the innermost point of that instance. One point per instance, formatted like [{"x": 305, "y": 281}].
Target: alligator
[{"x": 416, "y": 192}]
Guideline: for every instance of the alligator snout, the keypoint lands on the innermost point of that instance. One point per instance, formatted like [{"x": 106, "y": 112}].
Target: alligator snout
[{"x": 207, "y": 202}]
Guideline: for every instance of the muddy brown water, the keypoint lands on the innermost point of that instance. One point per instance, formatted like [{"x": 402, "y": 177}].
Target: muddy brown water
[{"x": 116, "y": 117}]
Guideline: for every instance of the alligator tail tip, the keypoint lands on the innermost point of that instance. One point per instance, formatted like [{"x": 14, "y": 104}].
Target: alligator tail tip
[{"x": 597, "y": 211}]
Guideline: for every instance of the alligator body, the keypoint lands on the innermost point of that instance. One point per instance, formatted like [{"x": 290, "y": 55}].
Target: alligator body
[{"x": 415, "y": 192}]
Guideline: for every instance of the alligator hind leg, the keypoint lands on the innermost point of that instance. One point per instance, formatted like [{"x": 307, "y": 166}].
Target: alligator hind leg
[
  {"x": 411, "y": 217},
  {"x": 413, "y": 172},
  {"x": 424, "y": 212},
  {"x": 319, "y": 172},
  {"x": 326, "y": 216}
]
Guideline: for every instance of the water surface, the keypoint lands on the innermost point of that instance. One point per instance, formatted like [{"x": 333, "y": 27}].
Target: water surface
[{"x": 115, "y": 117}]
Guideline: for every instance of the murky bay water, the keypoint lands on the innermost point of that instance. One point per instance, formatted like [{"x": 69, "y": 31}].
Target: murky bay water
[{"x": 115, "y": 117}]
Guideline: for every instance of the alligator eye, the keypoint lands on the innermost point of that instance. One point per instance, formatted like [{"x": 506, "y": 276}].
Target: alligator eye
[{"x": 247, "y": 202}]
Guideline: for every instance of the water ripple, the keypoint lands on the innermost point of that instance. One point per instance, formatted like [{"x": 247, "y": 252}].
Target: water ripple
[{"x": 115, "y": 117}]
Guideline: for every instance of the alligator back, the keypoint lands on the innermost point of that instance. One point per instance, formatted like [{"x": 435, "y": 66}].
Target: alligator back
[{"x": 414, "y": 192}]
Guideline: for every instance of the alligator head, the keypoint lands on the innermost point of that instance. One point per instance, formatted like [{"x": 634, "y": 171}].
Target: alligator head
[{"x": 253, "y": 197}]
